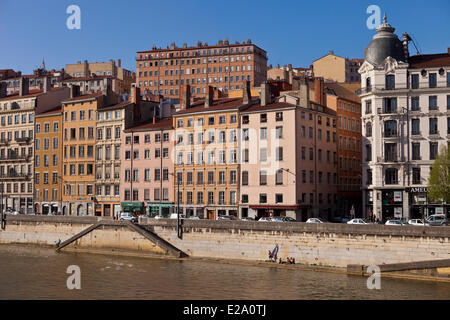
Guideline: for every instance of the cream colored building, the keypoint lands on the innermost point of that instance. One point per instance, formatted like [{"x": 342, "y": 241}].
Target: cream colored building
[{"x": 336, "y": 68}]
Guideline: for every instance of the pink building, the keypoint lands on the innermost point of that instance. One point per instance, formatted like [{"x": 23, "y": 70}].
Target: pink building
[
  {"x": 288, "y": 157},
  {"x": 147, "y": 167}
]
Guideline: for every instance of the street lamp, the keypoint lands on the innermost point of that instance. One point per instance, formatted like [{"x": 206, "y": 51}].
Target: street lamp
[{"x": 179, "y": 221}]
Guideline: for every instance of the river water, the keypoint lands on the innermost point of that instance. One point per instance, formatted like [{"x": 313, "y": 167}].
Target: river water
[{"x": 40, "y": 273}]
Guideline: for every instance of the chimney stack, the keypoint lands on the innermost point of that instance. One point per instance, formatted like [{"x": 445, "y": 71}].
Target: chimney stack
[
  {"x": 185, "y": 101},
  {"x": 47, "y": 84},
  {"x": 246, "y": 93},
  {"x": 209, "y": 98},
  {"x": 318, "y": 90},
  {"x": 119, "y": 63},
  {"x": 24, "y": 86},
  {"x": 135, "y": 94},
  {"x": 86, "y": 68},
  {"x": 74, "y": 91},
  {"x": 304, "y": 92},
  {"x": 3, "y": 89},
  {"x": 265, "y": 94}
]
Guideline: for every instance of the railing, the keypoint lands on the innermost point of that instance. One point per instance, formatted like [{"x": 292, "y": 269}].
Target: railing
[
  {"x": 23, "y": 140},
  {"x": 14, "y": 157},
  {"x": 363, "y": 90},
  {"x": 14, "y": 176}
]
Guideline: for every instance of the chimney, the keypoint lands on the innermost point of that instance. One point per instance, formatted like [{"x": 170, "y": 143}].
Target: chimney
[
  {"x": 226, "y": 42},
  {"x": 24, "y": 86},
  {"x": 185, "y": 97},
  {"x": 209, "y": 98},
  {"x": 47, "y": 84},
  {"x": 86, "y": 68},
  {"x": 448, "y": 50},
  {"x": 119, "y": 63},
  {"x": 246, "y": 94},
  {"x": 74, "y": 91},
  {"x": 135, "y": 94},
  {"x": 3, "y": 91},
  {"x": 291, "y": 76},
  {"x": 154, "y": 115},
  {"x": 265, "y": 94},
  {"x": 304, "y": 92},
  {"x": 318, "y": 90}
]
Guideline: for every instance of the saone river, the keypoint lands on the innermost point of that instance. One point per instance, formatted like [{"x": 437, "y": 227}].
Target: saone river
[{"x": 40, "y": 273}]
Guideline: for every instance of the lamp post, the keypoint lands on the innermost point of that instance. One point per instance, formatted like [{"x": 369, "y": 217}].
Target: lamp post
[{"x": 179, "y": 221}]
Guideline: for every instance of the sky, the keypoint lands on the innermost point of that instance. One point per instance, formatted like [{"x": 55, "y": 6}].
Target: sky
[{"x": 291, "y": 31}]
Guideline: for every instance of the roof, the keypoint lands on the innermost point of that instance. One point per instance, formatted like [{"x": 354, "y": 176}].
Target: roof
[
  {"x": 116, "y": 106},
  {"x": 202, "y": 47},
  {"x": 164, "y": 123},
  {"x": 345, "y": 90},
  {"x": 218, "y": 105},
  {"x": 96, "y": 77},
  {"x": 84, "y": 97},
  {"x": 429, "y": 60},
  {"x": 272, "y": 106},
  {"x": 15, "y": 95},
  {"x": 56, "y": 109}
]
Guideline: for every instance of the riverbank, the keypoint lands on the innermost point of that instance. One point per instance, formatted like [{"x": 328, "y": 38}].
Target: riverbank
[{"x": 325, "y": 248}]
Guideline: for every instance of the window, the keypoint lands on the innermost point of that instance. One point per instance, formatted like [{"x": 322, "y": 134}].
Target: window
[
  {"x": 279, "y": 132},
  {"x": 279, "y": 116},
  {"x": 390, "y": 128},
  {"x": 391, "y": 176},
  {"x": 279, "y": 154},
  {"x": 415, "y": 146},
  {"x": 416, "y": 176},
  {"x": 263, "y": 133},
  {"x": 262, "y": 178},
  {"x": 432, "y": 80},
  {"x": 433, "y": 150},
  {"x": 415, "y": 126},
  {"x": 415, "y": 81},
  {"x": 279, "y": 177},
  {"x": 263, "y": 154},
  {"x": 368, "y": 129},
  {"x": 390, "y": 105},
  {"x": 390, "y": 152},
  {"x": 432, "y": 100},
  {"x": 415, "y": 104},
  {"x": 262, "y": 198},
  {"x": 433, "y": 125},
  {"x": 263, "y": 117},
  {"x": 245, "y": 178},
  {"x": 390, "y": 82}
]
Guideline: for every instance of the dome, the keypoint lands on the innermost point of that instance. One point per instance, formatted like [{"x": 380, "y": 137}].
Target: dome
[{"x": 384, "y": 44}]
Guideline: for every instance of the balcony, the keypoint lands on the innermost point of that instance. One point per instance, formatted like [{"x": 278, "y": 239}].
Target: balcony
[
  {"x": 23, "y": 140},
  {"x": 14, "y": 157},
  {"x": 14, "y": 176},
  {"x": 363, "y": 90},
  {"x": 4, "y": 142}
]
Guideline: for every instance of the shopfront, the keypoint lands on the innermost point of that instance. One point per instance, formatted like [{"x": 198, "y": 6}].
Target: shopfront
[
  {"x": 422, "y": 207},
  {"x": 137, "y": 208},
  {"x": 392, "y": 204},
  {"x": 153, "y": 209}
]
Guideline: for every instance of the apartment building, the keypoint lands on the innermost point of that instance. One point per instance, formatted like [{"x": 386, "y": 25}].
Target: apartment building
[
  {"x": 112, "y": 120},
  {"x": 336, "y": 68},
  {"x": 405, "y": 103},
  {"x": 147, "y": 179},
  {"x": 48, "y": 161},
  {"x": 341, "y": 98},
  {"x": 17, "y": 114},
  {"x": 223, "y": 66},
  {"x": 207, "y": 154},
  {"x": 96, "y": 70}
]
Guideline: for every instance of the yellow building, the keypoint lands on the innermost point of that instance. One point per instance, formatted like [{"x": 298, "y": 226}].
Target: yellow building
[
  {"x": 79, "y": 126},
  {"x": 48, "y": 161},
  {"x": 336, "y": 68},
  {"x": 206, "y": 155}
]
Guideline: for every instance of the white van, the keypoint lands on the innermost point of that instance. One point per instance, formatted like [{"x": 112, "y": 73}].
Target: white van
[{"x": 175, "y": 216}]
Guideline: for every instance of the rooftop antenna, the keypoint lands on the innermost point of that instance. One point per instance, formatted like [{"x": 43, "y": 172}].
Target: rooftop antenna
[{"x": 414, "y": 43}]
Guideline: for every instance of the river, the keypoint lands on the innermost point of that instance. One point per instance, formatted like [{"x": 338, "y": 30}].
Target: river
[{"x": 40, "y": 273}]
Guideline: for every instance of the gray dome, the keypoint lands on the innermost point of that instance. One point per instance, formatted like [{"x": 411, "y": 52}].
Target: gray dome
[{"x": 384, "y": 44}]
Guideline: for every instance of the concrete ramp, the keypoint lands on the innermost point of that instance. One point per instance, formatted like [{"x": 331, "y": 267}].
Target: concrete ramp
[
  {"x": 162, "y": 244},
  {"x": 404, "y": 266}
]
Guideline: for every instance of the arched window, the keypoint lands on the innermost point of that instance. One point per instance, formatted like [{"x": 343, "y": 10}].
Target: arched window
[
  {"x": 368, "y": 82},
  {"x": 369, "y": 129}
]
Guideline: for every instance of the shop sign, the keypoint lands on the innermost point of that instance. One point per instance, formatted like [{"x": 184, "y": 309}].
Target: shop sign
[
  {"x": 417, "y": 189},
  {"x": 398, "y": 212},
  {"x": 439, "y": 210},
  {"x": 397, "y": 196},
  {"x": 370, "y": 196},
  {"x": 421, "y": 198}
]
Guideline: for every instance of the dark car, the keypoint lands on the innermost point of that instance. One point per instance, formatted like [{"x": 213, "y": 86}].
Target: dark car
[
  {"x": 289, "y": 219},
  {"x": 436, "y": 220}
]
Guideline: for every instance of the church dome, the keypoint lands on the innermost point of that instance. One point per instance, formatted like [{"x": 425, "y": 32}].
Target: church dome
[{"x": 384, "y": 44}]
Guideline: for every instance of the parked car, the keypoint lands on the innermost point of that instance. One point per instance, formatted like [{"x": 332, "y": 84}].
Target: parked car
[
  {"x": 265, "y": 219},
  {"x": 416, "y": 222},
  {"x": 357, "y": 221},
  {"x": 247, "y": 219},
  {"x": 14, "y": 213},
  {"x": 194, "y": 218},
  {"x": 289, "y": 219},
  {"x": 175, "y": 216},
  {"x": 224, "y": 217},
  {"x": 277, "y": 219},
  {"x": 394, "y": 222},
  {"x": 404, "y": 220},
  {"x": 436, "y": 220},
  {"x": 316, "y": 220},
  {"x": 128, "y": 216}
]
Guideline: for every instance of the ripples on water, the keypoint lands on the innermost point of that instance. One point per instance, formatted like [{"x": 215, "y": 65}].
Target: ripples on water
[{"x": 40, "y": 273}]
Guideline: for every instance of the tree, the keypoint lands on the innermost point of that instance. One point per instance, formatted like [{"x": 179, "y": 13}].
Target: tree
[{"x": 439, "y": 181}]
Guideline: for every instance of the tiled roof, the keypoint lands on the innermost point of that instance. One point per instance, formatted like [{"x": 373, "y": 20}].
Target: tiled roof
[
  {"x": 116, "y": 106},
  {"x": 32, "y": 93},
  {"x": 57, "y": 109},
  {"x": 345, "y": 90},
  {"x": 84, "y": 97},
  {"x": 164, "y": 123},
  {"x": 218, "y": 105},
  {"x": 429, "y": 60},
  {"x": 272, "y": 106},
  {"x": 88, "y": 78}
]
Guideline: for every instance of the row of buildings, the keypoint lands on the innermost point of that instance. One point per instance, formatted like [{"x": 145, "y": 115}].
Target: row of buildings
[{"x": 201, "y": 128}]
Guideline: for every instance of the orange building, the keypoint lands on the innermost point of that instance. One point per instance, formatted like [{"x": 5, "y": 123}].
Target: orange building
[
  {"x": 48, "y": 161},
  {"x": 223, "y": 66}
]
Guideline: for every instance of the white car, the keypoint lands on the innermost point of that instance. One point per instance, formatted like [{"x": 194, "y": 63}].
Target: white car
[
  {"x": 416, "y": 222},
  {"x": 175, "y": 216},
  {"x": 357, "y": 221},
  {"x": 315, "y": 220},
  {"x": 128, "y": 216},
  {"x": 267, "y": 219},
  {"x": 394, "y": 223}
]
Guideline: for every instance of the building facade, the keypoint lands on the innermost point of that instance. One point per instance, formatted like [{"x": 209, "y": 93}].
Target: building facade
[
  {"x": 336, "y": 68},
  {"x": 48, "y": 162},
  {"x": 223, "y": 66},
  {"x": 405, "y": 104}
]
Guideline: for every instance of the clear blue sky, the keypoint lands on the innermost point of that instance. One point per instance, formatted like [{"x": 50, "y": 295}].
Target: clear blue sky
[{"x": 291, "y": 31}]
